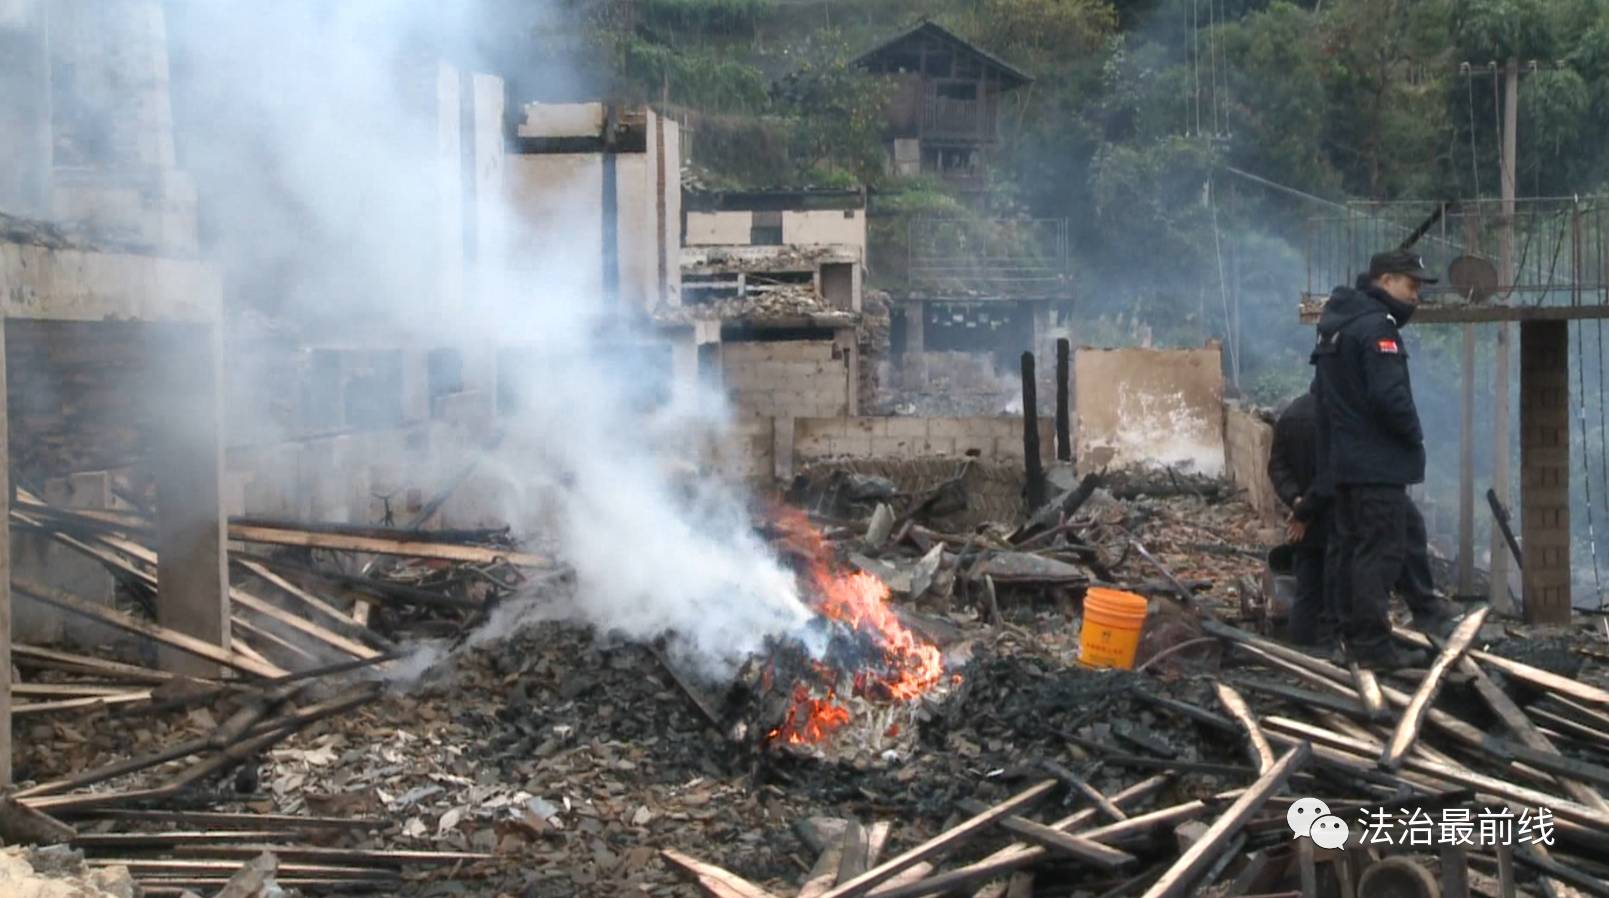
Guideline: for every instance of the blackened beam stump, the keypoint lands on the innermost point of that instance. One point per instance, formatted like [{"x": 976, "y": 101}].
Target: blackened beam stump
[
  {"x": 1064, "y": 425},
  {"x": 1030, "y": 435}
]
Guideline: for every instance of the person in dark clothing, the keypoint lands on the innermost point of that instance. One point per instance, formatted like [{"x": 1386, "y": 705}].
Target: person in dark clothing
[
  {"x": 1293, "y": 468},
  {"x": 1372, "y": 449}
]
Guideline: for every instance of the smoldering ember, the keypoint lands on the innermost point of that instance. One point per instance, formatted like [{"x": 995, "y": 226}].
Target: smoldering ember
[{"x": 823, "y": 448}]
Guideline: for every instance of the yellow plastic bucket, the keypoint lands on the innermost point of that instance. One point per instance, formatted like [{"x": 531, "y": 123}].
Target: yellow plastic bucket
[{"x": 1112, "y": 623}]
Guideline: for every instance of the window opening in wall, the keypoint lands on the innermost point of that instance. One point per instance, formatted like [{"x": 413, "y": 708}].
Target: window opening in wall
[
  {"x": 766, "y": 229},
  {"x": 445, "y": 372},
  {"x": 374, "y": 393}
]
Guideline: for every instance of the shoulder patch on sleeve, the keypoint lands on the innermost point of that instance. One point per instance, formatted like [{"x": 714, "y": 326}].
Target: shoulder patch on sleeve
[{"x": 1387, "y": 346}]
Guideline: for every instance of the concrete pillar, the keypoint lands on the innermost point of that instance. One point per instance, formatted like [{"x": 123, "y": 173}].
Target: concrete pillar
[
  {"x": 187, "y": 461},
  {"x": 5, "y": 573},
  {"x": 915, "y": 337},
  {"x": 25, "y": 139},
  {"x": 1545, "y": 469}
]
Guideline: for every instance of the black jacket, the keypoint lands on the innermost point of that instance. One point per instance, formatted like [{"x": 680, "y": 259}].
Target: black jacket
[
  {"x": 1293, "y": 465},
  {"x": 1366, "y": 408}
]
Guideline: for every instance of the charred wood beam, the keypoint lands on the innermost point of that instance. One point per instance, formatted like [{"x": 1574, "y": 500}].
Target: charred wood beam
[
  {"x": 1015, "y": 858},
  {"x": 1413, "y": 717},
  {"x": 1262, "y": 754},
  {"x": 1546, "y": 681},
  {"x": 1082, "y": 787},
  {"x": 30, "y": 656},
  {"x": 1561, "y": 807},
  {"x": 381, "y": 590},
  {"x": 408, "y": 547},
  {"x": 24, "y": 825},
  {"x": 1368, "y": 688},
  {"x": 942, "y": 842},
  {"x": 1055, "y": 840},
  {"x": 1133, "y": 795},
  {"x": 472, "y": 536},
  {"x": 284, "y": 822},
  {"x": 170, "y": 638},
  {"x": 712, "y": 880},
  {"x": 1537, "y": 750},
  {"x": 1181, "y": 877}
]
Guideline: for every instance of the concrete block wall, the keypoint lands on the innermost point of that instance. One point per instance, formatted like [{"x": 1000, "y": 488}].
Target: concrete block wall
[
  {"x": 900, "y": 437},
  {"x": 1247, "y": 441},
  {"x": 1545, "y": 469},
  {"x": 787, "y": 378},
  {"x": 74, "y": 396}
]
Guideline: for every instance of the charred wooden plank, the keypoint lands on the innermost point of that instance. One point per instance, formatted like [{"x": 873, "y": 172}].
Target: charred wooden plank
[
  {"x": 1413, "y": 717},
  {"x": 23, "y": 825},
  {"x": 1540, "y": 748},
  {"x": 1017, "y": 857},
  {"x": 1181, "y": 877},
  {"x": 864, "y": 883},
  {"x": 170, "y": 638},
  {"x": 1561, "y": 807},
  {"x": 285, "y": 822},
  {"x": 407, "y": 547},
  {"x": 714, "y": 881},
  {"x": 36, "y": 656},
  {"x": 1054, "y": 839},
  {"x": 1082, "y": 787},
  {"x": 1257, "y": 744},
  {"x": 1368, "y": 688}
]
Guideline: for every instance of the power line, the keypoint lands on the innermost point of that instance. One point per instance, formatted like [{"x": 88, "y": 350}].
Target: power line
[
  {"x": 1474, "y": 156},
  {"x": 1195, "y": 54}
]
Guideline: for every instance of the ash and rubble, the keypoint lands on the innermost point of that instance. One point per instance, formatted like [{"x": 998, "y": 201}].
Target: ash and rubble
[{"x": 559, "y": 760}]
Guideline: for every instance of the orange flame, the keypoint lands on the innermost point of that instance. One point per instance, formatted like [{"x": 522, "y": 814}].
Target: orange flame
[{"x": 912, "y": 666}]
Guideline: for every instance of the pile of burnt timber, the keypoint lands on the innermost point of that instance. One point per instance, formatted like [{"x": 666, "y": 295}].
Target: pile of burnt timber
[
  {"x": 305, "y": 643},
  {"x": 1475, "y": 734},
  {"x": 296, "y": 603}
]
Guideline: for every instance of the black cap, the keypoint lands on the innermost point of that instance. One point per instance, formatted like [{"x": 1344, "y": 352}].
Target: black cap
[{"x": 1400, "y": 261}]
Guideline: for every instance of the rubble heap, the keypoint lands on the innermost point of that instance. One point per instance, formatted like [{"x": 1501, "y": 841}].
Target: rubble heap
[{"x": 421, "y": 754}]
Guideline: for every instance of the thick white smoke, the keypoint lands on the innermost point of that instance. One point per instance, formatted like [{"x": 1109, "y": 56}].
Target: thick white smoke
[{"x": 312, "y": 130}]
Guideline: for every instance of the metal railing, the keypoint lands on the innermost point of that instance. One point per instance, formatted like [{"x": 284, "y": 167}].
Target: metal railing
[
  {"x": 946, "y": 117},
  {"x": 1559, "y": 252}
]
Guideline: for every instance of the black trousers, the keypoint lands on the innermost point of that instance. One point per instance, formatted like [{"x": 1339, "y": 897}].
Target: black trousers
[{"x": 1380, "y": 529}]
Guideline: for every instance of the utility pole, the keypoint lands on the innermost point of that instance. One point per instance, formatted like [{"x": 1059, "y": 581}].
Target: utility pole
[
  {"x": 1499, "y": 591},
  {"x": 1466, "y": 435}
]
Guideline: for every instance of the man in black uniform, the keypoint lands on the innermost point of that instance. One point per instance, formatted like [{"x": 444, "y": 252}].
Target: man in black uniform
[
  {"x": 1372, "y": 449},
  {"x": 1293, "y": 468}
]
